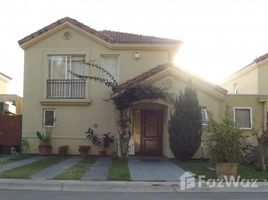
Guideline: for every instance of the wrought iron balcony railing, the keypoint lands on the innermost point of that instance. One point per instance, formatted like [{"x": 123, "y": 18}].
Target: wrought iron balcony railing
[{"x": 66, "y": 89}]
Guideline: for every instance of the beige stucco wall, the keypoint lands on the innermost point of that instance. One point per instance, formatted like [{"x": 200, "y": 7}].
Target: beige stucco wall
[
  {"x": 3, "y": 86},
  {"x": 73, "y": 120},
  {"x": 247, "y": 82},
  {"x": 263, "y": 74}
]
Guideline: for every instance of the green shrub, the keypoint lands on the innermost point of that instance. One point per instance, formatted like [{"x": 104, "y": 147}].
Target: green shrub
[{"x": 224, "y": 140}]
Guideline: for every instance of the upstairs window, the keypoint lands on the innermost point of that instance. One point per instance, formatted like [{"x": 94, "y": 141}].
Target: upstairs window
[
  {"x": 243, "y": 117},
  {"x": 61, "y": 83},
  {"x": 59, "y": 66},
  {"x": 110, "y": 63}
]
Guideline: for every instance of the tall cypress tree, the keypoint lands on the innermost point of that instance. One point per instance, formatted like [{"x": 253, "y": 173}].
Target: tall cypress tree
[{"x": 185, "y": 125}]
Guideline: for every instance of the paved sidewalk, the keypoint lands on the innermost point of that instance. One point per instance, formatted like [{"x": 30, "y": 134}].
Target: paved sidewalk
[
  {"x": 56, "y": 169},
  {"x": 4, "y": 157},
  {"x": 99, "y": 170},
  {"x": 153, "y": 169},
  {"x": 20, "y": 163}
]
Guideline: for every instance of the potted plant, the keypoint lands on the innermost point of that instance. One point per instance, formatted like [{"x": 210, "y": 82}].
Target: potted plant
[
  {"x": 44, "y": 139},
  {"x": 225, "y": 145},
  {"x": 83, "y": 149},
  {"x": 62, "y": 150},
  {"x": 103, "y": 143}
]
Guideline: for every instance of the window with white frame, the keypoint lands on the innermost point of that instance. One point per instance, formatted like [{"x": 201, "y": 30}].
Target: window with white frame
[
  {"x": 49, "y": 117},
  {"x": 204, "y": 116},
  {"x": 59, "y": 66},
  {"x": 61, "y": 83},
  {"x": 243, "y": 117},
  {"x": 110, "y": 62}
]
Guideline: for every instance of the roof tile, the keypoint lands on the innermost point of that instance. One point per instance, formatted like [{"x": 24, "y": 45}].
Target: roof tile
[{"x": 108, "y": 36}]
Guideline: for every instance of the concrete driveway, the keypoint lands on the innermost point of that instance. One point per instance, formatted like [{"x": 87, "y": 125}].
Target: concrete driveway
[{"x": 153, "y": 169}]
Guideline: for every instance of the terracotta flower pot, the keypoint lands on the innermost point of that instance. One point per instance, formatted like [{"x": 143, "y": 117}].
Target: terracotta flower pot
[
  {"x": 102, "y": 153},
  {"x": 84, "y": 153},
  {"x": 45, "y": 149},
  {"x": 62, "y": 151},
  {"x": 84, "y": 150},
  {"x": 225, "y": 169}
]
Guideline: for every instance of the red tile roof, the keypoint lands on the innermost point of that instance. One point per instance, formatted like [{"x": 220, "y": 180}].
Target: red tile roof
[
  {"x": 159, "y": 68},
  {"x": 119, "y": 37},
  {"x": 61, "y": 21},
  {"x": 108, "y": 36},
  {"x": 261, "y": 58},
  {"x": 142, "y": 77}
]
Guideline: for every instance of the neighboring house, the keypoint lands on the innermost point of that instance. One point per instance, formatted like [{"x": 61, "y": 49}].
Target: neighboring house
[
  {"x": 4, "y": 79},
  {"x": 251, "y": 79},
  {"x": 9, "y": 104},
  {"x": 51, "y": 92},
  {"x": 13, "y": 103}
]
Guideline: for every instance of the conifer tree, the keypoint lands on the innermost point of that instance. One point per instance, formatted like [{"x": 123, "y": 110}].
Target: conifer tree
[{"x": 185, "y": 125}]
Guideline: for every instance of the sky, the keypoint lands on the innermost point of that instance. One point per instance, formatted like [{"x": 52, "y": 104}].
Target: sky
[{"x": 219, "y": 36}]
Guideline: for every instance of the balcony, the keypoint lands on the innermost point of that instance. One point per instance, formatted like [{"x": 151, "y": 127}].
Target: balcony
[{"x": 66, "y": 89}]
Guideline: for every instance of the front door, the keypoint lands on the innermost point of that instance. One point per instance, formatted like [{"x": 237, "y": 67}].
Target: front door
[{"x": 151, "y": 132}]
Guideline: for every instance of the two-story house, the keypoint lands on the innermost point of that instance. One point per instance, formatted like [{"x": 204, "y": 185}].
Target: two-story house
[{"x": 52, "y": 92}]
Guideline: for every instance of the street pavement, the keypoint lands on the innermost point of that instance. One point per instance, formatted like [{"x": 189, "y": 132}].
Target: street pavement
[
  {"x": 44, "y": 195},
  {"x": 120, "y": 186}
]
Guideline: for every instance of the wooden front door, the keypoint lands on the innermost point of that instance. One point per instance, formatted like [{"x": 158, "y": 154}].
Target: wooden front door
[{"x": 151, "y": 132}]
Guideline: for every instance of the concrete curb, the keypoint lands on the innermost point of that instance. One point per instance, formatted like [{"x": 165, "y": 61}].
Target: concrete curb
[{"x": 116, "y": 186}]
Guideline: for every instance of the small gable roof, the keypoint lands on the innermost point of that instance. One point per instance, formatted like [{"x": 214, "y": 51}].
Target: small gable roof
[
  {"x": 112, "y": 37},
  {"x": 176, "y": 69},
  {"x": 251, "y": 66}
]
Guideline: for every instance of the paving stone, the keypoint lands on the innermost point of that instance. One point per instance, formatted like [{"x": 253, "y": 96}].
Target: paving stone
[
  {"x": 99, "y": 170},
  {"x": 20, "y": 163},
  {"x": 57, "y": 168},
  {"x": 4, "y": 157},
  {"x": 158, "y": 169}
]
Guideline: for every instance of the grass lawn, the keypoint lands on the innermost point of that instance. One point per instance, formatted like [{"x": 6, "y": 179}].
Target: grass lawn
[
  {"x": 119, "y": 171},
  {"x": 201, "y": 168},
  {"x": 77, "y": 171},
  {"x": 26, "y": 171},
  {"x": 18, "y": 157}
]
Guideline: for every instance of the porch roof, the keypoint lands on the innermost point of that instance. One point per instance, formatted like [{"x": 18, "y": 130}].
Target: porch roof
[{"x": 162, "y": 67}]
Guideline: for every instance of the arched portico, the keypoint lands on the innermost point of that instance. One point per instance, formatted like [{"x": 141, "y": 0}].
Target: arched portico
[{"x": 148, "y": 128}]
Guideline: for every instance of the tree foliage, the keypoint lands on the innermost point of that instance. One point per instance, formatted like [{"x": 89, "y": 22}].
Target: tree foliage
[{"x": 184, "y": 126}]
